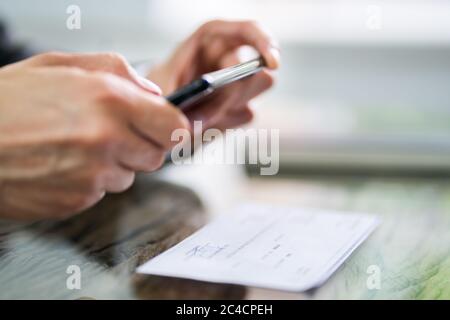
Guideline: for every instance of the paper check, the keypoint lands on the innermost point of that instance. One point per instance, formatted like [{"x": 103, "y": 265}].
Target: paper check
[{"x": 274, "y": 247}]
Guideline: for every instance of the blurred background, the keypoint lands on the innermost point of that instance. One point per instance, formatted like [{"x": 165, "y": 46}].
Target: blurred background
[{"x": 364, "y": 85}]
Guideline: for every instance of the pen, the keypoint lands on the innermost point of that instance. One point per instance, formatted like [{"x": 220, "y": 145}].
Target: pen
[{"x": 209, "y": 82}]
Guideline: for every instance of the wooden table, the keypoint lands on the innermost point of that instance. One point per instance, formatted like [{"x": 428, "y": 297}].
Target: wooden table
[{"x": 411, "y": 248}]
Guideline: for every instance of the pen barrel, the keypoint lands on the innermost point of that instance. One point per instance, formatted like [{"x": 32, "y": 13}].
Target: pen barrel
[
  {"x": 189, "y": 93},
  {"x": 186, "y": 96}
]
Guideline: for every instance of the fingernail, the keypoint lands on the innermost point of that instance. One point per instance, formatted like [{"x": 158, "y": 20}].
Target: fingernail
[
  {"x": 151, "y": 86},
  {"x": 275, "y": 44},
  {"x": 275, "y": 53}
]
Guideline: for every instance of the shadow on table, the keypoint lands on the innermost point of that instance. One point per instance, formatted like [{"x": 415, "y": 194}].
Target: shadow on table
[
  {"x": 157, "y": 287},
  {"x": 121, "y": 232}
]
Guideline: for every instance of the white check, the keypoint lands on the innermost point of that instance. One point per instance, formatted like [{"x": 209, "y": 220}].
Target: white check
[{"x": 266, "y": 246}]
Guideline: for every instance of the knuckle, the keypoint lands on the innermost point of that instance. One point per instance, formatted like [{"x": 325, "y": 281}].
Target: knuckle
[
  {"x": 102, "y": 130},
  {"x": 99, "y": 134},
  {"x": 249, "y": 114},
  {"x": 117, "y": 61},
  {"x": 117, "y": 179},
  {"x": 155, "y": 161},
  {"x": 51, "y": 57},
  {"x": 127, "y": 181},
  {"x": 93, "y": 182},
  {"x": 67, "y": 207},
  {"x": 100, "y": 81},
  {"x": 88, "y": 199},
  {"x": 250, "y": 24},
  {"x": 207, "y": 26},
  {"x": 104, "y": 88},
  {"x": 116, "y": 57},
  {"x": 177, "y": 122},
  {"x": 80, "y": 202},
  {"x": 268, "y": 79}
]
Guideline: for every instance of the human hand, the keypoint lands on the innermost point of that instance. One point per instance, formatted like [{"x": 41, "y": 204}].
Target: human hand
[
  {"x": 74, "y": 126},
  {"x": 214, "y": 46}
]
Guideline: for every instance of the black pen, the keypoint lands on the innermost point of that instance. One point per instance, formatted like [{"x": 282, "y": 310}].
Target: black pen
[{"x": 209, "y": 82}]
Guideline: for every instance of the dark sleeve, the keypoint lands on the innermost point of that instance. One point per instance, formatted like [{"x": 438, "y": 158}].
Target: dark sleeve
[{"x": 10, "y": 52}]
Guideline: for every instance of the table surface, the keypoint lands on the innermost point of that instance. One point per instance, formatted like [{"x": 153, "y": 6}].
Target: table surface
[{"x": 410, "y": 249}]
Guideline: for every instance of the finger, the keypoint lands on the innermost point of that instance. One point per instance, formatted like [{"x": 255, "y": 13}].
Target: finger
[
  {"x": 138, "y": 154},
  {"x": 232, "y": 119},
  {"x": 251, "y": 87},
  {"x": 149, "y": 116},
  {"x": 210, "y": 111},
  {"x": 156, "y": 122},
  {"x": 117, "y": 179},
  {"x": 215, "y": 106},
  {"x": 105, "y": 62},
  {"x": 36, "y": 203},
  {"x": 235, "y": 34},
  {"x": 248, "y": 88},
  {"x": 230, "y": 59},
  {"x": 229, "y": 98},
  {"x": 68, "y": 202},
  {"x": 201, "y": 52}
]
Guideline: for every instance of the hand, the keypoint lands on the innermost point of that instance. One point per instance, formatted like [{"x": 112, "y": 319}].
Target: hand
[
  {"x": 73, "y": 127},
  {"x": 214, "y": 46}
]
